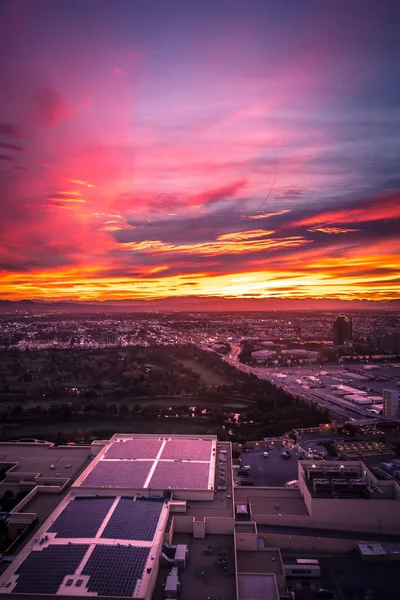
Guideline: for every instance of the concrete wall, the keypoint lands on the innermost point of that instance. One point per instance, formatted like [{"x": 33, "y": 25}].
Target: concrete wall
[
  {"x": 305, "y": 543},
  {"x": 284, "y": 520},
  {"x": 13, "y": 487},
  {"x": 220, "y": 525},
  {"x": 178, "y": 506},
  {"x": 380, "y": 516},
  {"x": 199, "y": 529},
  {"x": 154, "y": 573},
  {"x": 242, "y": 493},
  {"x": 183, "y": 524},
  {"x": 192, "y": 494}
]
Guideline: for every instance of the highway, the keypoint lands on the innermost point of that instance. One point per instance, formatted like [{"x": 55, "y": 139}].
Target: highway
[
  {"x": 319, "y": 396},
  {"x": 288, "y": 379}
]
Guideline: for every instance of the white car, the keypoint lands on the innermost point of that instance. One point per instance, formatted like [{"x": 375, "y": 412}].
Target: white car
[
  {"x": 265, "y": 455},
  {"x": 292, "y": 484},
  {"x": 246, "y": 467}
]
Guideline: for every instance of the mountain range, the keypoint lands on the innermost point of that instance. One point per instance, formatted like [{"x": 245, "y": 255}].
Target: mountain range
[{"x": 196, "y": 304}]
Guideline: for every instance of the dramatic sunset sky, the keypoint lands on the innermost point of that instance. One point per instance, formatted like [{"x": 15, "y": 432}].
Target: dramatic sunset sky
[{"x": 230, "y": 148}]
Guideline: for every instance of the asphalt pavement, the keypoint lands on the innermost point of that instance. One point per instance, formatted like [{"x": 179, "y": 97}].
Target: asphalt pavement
[{"x": 274, "y": 471}]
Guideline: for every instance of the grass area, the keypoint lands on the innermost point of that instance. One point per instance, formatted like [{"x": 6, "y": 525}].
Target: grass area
[{"x": 208, "y": 376}]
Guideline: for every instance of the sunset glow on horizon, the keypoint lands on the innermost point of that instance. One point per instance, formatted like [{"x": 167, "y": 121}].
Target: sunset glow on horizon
[{"x": 224, "y": 149}]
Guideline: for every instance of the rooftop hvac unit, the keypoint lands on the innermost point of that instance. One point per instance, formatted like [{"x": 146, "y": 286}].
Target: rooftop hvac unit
[
  {"x": 349, "y": 472},
  {"x": 316, "y": 473},
  {"x": 321, "y": 485},
  {"x": 358, "y": 485},
  {"x": 333, "y": 472},
  {"x": 340, "y": 485}
]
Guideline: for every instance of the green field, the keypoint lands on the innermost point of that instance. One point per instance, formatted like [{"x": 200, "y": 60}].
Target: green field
[{"x": 208, "y": 376}]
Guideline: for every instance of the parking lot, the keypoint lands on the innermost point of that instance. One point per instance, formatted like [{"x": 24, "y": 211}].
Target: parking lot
[
  {"x": 274, "y": 471},
  {"x": 319, "y": 388}
]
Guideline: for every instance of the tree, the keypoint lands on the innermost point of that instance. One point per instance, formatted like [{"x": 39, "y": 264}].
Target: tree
[
  {"x": 123, "y": 410},
  {"x": 8, "y": 501}
]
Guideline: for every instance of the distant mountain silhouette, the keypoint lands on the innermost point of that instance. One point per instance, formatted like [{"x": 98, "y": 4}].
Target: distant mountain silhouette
[{"x": 197, "y": 304}]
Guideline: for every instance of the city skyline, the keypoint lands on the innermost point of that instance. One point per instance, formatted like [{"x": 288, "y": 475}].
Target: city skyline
[{"x": 178, "y": 149}]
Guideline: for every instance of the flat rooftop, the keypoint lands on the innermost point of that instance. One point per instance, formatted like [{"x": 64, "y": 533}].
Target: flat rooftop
[
  {"x": 44, "y": 459},
  {"x": 325, "y": 533},
  {"x": 202, "y": 578},
  {"x": 91, "y": 545},
  {"x": 278, "y": 505},
  {"x": 222, "y": 503},
  {"x": 257, "y": 587},
  {"x": 153, "y": 462},
  {"x": 263, "y": 561}
]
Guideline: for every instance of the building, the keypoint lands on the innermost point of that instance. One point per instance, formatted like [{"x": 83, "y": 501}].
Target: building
[
  {"x": 262, "y": 356},
  {"x": 300, "y": 354},
  {"x": 342, "y": 330},
  {"x": 157, "y": 516},
  {"x": 386, "y": 340},
  {"x": 391, "y": 403}
]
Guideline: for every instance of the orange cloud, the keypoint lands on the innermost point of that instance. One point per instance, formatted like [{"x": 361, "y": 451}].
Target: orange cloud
[
  {"x": 267, "y": 215},
  {"x": 81, "y": 182},
  {"x": 332, "y": 230},
  {"x": 234, "y": 243},
  {"x": 386, "y": 206}
]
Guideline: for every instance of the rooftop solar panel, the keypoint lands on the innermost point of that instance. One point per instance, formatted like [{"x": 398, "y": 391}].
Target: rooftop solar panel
[
  {"x": 118, "y": 474},
  {"x": 189, "y": 475},
  {"x": 82, "y": 517},
  {"x": 187, "y": 449},
  {"x": 134, "y": 520},
  {"x": 136, "y": 448},
  {"x": 43, "y": 571},
  {"x": 115, "y": 570}
]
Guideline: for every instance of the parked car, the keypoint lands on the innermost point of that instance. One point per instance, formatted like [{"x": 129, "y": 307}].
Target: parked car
[
  {"x": 243, "y": 473},
  {"x": 292, "y": 484}
]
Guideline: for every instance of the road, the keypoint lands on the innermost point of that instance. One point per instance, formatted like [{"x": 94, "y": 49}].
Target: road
[
  {"x": 338, "y": 407},
  {"x": 320, "y": 397}
]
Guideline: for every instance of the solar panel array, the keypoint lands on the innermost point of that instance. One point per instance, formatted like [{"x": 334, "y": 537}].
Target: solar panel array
[
  {"x": 187, "y": 449},
  {"x": 189, "y": 475},
  {"x": 115, "y": 570},
  {"x": 42, "y": 572},
  {"x": 110, "y": 473},
  {"x": 82, "y": 517},
  {"x": 135, "y": 448},
  {"x": 134, "y": 520}
]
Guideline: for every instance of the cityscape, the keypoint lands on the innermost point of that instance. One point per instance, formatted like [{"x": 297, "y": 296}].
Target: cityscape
[{"x": 199, "y": 300}]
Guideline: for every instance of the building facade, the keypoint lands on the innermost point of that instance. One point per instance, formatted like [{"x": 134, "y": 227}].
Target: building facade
[{"x": 342, "y": 330}]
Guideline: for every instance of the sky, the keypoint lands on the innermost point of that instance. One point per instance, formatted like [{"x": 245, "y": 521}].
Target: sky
[{"x": 205, "y": 147}]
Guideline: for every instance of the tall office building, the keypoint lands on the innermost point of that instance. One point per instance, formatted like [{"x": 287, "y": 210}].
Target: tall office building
[
  {"x": 391, "y": 403},
  {"x": 342, "y": 330},
  {"x": 386, "y": 340}
]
